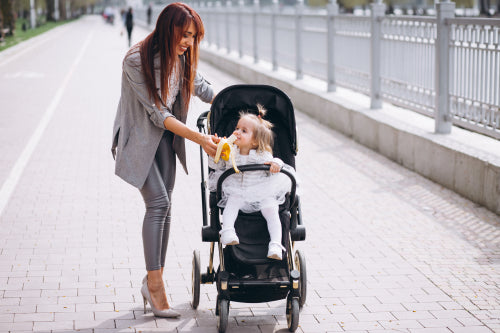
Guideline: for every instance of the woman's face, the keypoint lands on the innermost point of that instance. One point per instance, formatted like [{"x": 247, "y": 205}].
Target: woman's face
[{"x": 187, "y": 40}]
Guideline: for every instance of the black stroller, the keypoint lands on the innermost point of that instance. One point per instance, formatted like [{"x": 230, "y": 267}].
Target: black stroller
[{"x": 245, "y": 274}]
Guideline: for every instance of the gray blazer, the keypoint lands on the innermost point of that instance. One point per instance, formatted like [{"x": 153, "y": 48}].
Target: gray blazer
[{"x": 139, "y": 127}]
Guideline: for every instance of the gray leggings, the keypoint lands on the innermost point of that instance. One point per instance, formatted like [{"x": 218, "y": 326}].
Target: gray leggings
[{"x": 157, "y": 195}]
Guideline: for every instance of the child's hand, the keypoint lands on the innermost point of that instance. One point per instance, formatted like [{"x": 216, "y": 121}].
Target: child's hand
[{"x": 274, "y": 167}]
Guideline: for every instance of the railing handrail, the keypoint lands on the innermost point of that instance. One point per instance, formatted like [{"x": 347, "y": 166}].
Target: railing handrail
[
  {"x": 474, "y": 21},
  {"x": 424, "y": 19}
]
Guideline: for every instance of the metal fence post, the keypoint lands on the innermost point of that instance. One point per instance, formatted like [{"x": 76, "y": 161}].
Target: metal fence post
[
  {"x": 228, "y": 15},
  {"x": 332, "y": 11},
  {"x": 378, "y": 10},
  {"x": 442, "y": 118},
  {"x": 299, "y": 10},
  {"x": 216, "y": 22},
  {"x": 254, "y": 31},
  {"x": 241, "y": 5},
  {"x": 209, "y": 11},
  {"x": 274, "y": 40}
]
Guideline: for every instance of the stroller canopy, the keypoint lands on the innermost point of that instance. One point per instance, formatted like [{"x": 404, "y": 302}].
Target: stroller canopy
[{"x": 227, "y": 105}]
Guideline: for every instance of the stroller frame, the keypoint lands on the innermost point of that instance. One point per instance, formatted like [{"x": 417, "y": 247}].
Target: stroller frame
[{"x": 292, "y": 287}]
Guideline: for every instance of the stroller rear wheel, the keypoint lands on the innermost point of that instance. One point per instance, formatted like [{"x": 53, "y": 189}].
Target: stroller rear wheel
[
  {"x": 195, "y": 279},
  {"x": 223, "y": 314},
  {"x": 292, "y": 313},
  {"x": 300, "y": 264}
]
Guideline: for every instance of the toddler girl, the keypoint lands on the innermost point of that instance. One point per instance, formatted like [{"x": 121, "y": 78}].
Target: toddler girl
[{"x": 256, "y": 190}]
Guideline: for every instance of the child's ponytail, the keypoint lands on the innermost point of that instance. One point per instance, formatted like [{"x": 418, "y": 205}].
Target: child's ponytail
[
  {"x": 261, "y": 112},
  {"x": 263, "y": 133},
  {"x": 262, "y": 128}
]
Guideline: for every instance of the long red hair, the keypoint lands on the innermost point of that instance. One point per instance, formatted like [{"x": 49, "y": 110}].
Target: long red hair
[{"x": 172, "y": 22}]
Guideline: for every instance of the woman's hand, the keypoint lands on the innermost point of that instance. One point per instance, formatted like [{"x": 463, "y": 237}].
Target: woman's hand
[
  {"x": 209, "y": 144},
  {"x": 274, "y": 167}
]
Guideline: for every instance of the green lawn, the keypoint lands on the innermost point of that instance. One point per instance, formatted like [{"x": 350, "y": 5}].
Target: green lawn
[{"x": 21, "y": 35}]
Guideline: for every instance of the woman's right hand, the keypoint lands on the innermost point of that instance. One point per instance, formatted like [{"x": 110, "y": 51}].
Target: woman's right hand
[{"x": 209, "y": 144}]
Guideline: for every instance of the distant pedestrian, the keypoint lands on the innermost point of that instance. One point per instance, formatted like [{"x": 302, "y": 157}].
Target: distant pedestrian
[
  {"x": 158, "y": 80},
  {"x": 129, "y": 24},
  {"x": 149, "y": 14}
]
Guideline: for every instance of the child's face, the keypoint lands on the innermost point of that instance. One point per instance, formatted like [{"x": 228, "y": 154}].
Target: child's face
[{"x": 244, "y": 134}]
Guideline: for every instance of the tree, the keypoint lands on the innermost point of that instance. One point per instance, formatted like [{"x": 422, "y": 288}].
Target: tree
[
  {"x": 1, "y": 26},
  {"x": 484, "y": 7},
  {"x": 50, "y": 10},
  {"x": 9, "y": 16}
]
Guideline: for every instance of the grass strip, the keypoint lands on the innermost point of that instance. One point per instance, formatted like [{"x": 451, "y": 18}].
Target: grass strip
[{"x": 22, "y": 35}]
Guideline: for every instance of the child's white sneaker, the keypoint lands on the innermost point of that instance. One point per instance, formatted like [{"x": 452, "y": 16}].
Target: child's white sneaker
[
  {"x": 274, "y": 251},
  {"x": 228, "y": 237}
]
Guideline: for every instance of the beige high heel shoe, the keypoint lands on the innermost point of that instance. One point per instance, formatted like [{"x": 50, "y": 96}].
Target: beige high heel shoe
[{"x": 168, "y": 313}]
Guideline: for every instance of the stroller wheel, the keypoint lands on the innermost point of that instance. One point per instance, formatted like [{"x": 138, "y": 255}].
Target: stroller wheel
[
  {"x": 223, "y": 307},
  {"x": 292, "y": 313},
  {"x": 300, "y": 264},
  {"x": 195, "y": 279}
]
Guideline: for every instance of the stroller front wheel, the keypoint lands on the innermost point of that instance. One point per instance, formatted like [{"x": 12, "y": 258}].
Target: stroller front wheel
[
  {"x": 300, "y": 264},
  {"x": 223, "y": 310},
  {"x": 292, "y": 313},
  {"x": 195, "y": 279}
]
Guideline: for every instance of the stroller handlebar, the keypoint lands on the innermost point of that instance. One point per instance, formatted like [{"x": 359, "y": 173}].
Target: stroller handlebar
[
  {"x": 201, "y": 119},
  {"x": 256, "y": 167}
]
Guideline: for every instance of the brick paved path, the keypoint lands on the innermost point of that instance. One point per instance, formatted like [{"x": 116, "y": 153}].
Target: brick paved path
[{"x": 386, "y": 249}]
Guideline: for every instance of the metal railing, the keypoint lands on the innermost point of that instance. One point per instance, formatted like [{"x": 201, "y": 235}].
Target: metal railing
[
  {"x": 475, "y": 74},
  {"x": 441, "y": 66},
  {"x": 407, "y": 62}
]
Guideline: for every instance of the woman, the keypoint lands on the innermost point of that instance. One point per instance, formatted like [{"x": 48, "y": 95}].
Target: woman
[{"x": 159, "y": 77}]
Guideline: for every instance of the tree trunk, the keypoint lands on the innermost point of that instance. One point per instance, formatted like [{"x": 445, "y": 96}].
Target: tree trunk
[
  {"x": 9, "y": 16},
  {"x": 50, "y": 10},
  {"x": 1, "y": 26},
  {"x": 484, "y": 7}
]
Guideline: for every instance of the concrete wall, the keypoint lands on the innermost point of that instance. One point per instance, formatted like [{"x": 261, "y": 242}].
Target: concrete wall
[{"x": 464, "y": 162}]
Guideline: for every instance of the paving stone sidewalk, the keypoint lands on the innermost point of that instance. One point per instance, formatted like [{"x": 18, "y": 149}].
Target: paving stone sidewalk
[{"x": 386, "y": 249}]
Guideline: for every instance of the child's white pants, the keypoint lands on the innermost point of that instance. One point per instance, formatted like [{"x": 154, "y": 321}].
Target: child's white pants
[{"x": 270, "y": 213}]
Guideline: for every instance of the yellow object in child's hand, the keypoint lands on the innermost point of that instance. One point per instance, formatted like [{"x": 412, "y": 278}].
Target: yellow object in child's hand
[{"x": 225, "y": 150}]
